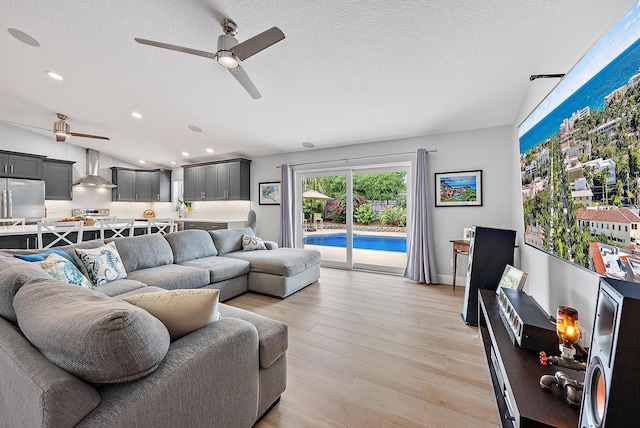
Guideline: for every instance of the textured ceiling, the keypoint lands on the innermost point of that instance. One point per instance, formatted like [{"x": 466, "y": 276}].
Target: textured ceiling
[{"x": 347, "y": 72}]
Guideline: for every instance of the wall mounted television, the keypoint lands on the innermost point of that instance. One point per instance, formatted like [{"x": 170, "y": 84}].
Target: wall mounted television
[{"x": 580, "y": 159}]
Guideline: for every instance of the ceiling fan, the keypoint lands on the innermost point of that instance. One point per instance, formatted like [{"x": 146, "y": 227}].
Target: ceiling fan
[
  {"x": 61, "y": 129},
  {"x": 230, "y": 52}
]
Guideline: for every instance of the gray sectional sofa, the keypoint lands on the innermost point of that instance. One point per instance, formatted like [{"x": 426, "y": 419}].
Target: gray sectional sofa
[{"x": 226, "y": 374}]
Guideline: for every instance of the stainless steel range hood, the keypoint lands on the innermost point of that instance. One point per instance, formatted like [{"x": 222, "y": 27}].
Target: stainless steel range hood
[{"x": 93, "y": 179}]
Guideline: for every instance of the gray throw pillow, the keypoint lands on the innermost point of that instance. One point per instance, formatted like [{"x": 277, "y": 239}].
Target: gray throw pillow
[
  {"x": 95, "y": 337},
  {"x": 230, "y": 240}
]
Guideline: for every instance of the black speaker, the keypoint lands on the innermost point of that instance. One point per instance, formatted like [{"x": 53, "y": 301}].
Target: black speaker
[
  {"x": 611, "y": 396},
  {"x": 490, "y": 251}
]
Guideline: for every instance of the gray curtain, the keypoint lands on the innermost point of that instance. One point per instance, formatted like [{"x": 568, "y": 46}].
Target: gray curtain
[
  {"x": 421, "y": 264},
  {"x": 286, "y": 207}
]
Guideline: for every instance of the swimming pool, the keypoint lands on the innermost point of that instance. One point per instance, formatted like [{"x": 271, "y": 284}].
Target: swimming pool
[{"x": 365, "y": 242}]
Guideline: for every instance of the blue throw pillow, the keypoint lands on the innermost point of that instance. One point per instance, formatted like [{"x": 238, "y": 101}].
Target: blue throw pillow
[
  {"x": 40, "y": 257},
  {"x": 64, "y": 270}
]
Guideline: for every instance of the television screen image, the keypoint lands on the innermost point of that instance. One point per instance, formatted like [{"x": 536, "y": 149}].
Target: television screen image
[{"x": 580, "y": 159}]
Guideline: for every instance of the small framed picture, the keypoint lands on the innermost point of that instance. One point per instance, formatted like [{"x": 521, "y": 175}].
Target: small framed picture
[
  {"x": 468, "y": 234},
  {"x": 459, "y": 189},
  {"x": 512, "y": 278},
  {"x": 269, "y": 193}
]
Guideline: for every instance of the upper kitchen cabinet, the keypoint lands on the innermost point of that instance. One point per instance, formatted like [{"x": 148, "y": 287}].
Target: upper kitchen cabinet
[
  {"x": 141, "y": 185},
  {"x": 232, "y": 181},
  {"x": 218, "y": 181},
  {"x": 58, "y": 179},
  {"x": 161, "y": 185},
  {"x": 18, "y": 165}
]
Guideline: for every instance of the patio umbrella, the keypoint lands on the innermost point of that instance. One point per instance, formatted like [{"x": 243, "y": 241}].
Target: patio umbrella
[{"x": 313, "y": 194}]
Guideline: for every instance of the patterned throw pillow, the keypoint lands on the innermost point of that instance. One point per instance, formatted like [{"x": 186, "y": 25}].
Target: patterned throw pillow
[
  {"x": 64, "y": 270},
  {"x": 181, "y": 311},
  {"x": 103, "y": 264},
  {"x": 250, "y": 243}
]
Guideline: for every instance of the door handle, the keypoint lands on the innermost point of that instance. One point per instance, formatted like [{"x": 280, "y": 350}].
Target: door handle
[
  {"x": 5, "y": 168},
  {"x": 11, "y": 169}
]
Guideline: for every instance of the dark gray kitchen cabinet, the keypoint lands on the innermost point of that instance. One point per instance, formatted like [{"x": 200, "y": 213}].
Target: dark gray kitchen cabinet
[
  {"x": 125, "y": 180},
  {"x": 17, "y": 165},
  {"x": 188, "y": 183},
  {"x": 239, "y": 184},
  {"x": 161, "y": 185},
  {"x": 136, "y": 185},
  {"x": 58, "y": 179},
  {"x": 218, "y": 181},
  {"x": 143, "y": 186}
]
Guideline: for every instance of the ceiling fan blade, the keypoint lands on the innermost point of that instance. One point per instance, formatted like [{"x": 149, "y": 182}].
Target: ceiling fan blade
[
  {"x": 205, "y": 54},
  {"x": 242, "y": 78},
  {"x": 252, "y": 46},
  {"x": 88, "y": 136},
  {"x": 24, "y": 124}
]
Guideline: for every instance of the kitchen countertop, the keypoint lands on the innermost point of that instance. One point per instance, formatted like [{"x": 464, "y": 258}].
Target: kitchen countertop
[{"x": 208, "y": 220}]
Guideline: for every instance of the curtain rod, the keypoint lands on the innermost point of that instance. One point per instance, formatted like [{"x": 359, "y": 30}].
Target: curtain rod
[{"x": 357, "y": 158}]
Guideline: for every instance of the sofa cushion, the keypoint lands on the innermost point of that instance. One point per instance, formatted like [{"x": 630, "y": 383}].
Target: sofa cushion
[
  {"x": 172, "y": 277},
  {"x": 190, "y": 245},
  {"x": 283, "y": 261},
  {"x": 251, "y": 243},
  {"x": 120, "y": 286},
  {"x": 63, "y": 269},
  {"x": 14, "y": 273},
  {"x": 220, "y": 268},
  {"x": 95, "y": 337},
  {"x": 181, "y": 311},
  {"x": 273, "y": 336},
  {"x": 103, "y": 264},
  {"x": 229, "y": 240},
  {"x": 144, "y": 251}
]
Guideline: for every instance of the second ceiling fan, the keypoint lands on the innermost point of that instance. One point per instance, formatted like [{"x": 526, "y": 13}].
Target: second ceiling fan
[{"x": 230, "y": 52}]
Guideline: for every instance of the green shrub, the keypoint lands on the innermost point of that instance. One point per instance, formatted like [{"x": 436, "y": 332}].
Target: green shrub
[
  {"x": 365, "y": 214},
  {"x": 393, "y": 217}
]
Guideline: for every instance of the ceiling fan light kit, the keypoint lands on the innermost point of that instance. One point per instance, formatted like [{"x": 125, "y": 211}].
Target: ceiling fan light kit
[{"x": 230, "y": 52}]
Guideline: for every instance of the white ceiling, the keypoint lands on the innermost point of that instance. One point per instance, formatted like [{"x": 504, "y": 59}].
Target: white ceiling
[{"x": 347, "y": 72}]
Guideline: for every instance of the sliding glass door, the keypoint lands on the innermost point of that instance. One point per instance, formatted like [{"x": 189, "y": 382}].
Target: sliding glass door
[{"x": 355, "y": 217}]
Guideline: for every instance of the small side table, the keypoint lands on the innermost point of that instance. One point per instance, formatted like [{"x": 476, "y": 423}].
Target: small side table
[{"x": 460, "y": 246}]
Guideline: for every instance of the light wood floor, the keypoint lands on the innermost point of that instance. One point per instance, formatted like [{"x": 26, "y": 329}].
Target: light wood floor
[{"x": 371, "y": 350}]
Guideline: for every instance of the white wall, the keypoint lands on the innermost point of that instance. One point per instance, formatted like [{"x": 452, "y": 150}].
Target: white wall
[
  {"x": 552, "y": 281},
  {"x": 487, "y": 149}
]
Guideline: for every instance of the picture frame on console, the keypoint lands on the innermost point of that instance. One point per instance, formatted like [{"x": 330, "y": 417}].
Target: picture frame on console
[
  {"x": 459, "y": 188},
  {"x": 269, "y": 193}
]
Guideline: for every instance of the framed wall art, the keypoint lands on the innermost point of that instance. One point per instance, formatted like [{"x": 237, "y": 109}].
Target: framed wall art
[
  {"x": 269, "y": 193},
  {"x": 459, "y": 189}
]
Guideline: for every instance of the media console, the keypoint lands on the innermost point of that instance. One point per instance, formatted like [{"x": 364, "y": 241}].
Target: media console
[{"x": 515, "y": 376}]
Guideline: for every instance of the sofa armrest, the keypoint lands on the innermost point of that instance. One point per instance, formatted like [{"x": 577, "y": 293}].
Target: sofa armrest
[
  {"x": 271, "y": 245},
  {"x": 208, "y": 378},
  {"x": 34, "y": 392}
]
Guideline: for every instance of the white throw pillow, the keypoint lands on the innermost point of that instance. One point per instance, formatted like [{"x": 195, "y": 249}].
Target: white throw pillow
[
  {"x": 250, "y": 243},
  {"x": 181, "y": 311},
  {"x": 103, "y": 264}
]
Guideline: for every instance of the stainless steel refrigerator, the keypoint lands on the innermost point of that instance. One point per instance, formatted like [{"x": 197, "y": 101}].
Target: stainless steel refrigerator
[{"x": 22, "y": 198}]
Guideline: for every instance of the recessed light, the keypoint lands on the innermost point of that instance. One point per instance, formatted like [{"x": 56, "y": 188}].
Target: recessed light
[
  {"x": 185, "y": 154},
  {"x": 308, "y": 145},
  {"x": 136, "y": 115},
  {"x": 141, "y": 161},
  {"x": 209, "y": 150},
  {"x": 23, "y": 37},
  {"x": 172, "y": 163},
  {"x": 54, "y": 76},
  {"x": 195, "y": 128}
]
